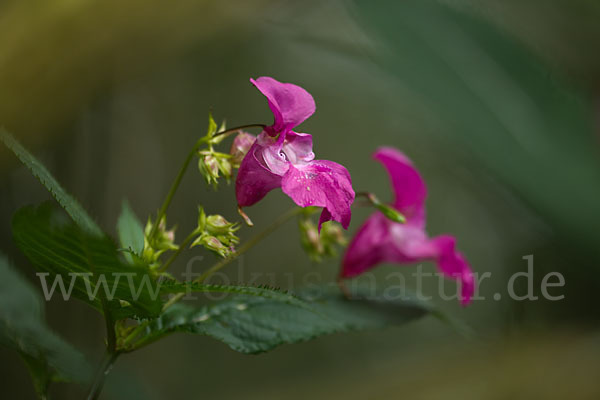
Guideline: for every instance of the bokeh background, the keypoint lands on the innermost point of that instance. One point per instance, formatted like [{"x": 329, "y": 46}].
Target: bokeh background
[{"x": 496, "y": 103}]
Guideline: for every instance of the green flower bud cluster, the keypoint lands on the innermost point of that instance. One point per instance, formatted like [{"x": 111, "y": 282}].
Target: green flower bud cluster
[
  {"x": 216, "y": 234},
  {"x": 161, "y": 241},
  {"x": 323, "y": 245},
  {"x": 212, "y": 164}
]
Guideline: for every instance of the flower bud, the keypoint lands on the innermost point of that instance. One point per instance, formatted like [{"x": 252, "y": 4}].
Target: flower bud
[
  {"x": 161, "y": 241},
  {"x": 334, "y": 234},
  {"x": 320, "y": 245},
  {"x": 309, "y": 238},
  {"x": 225, "y": 167},
  {"x": 213, "y": 244},
  {"x": 220, "y": 245},
  {"x": 216, "y": 234},
  {"x": 217, "y": 224},
  {"x": 240, "y": 146},
  {"x": 201, "y": 220},
  {"x": 208, "y": 166},
  {"x": 212, "y": 164},
  {"x": 390, "y": 212}
]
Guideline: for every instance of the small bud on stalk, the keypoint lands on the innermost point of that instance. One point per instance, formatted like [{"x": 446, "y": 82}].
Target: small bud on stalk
[
  {"x": 161, "y": 241},
  {"x": 240, "y": 146},
  {"x": 316, "y": 245},
  {"x": 216, "y": 234},
  {"x": 213, "y": 164}
]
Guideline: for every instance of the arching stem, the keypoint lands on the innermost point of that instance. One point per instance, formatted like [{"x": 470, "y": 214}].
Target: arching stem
[{"x": 163, "y": 209}]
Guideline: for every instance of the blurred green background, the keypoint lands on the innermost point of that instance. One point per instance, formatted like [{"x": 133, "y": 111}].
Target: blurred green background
[{"x": 495, "y": 102}]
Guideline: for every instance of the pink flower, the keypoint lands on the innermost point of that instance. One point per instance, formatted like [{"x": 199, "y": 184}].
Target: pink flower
[
  {"x": 283, "y": 158},
  {"x": 381, "y": 240}
]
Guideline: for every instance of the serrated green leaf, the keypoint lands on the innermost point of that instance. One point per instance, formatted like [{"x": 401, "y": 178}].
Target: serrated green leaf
[
  {"x": 251, "y": 324},
  {"x": 174, "y": 287},
  {"x": 71, "y": 206},
  {"x": 22, "y": 327},
  {"x": 131, "y": 232},
  {"x": 57, "y": 246}
]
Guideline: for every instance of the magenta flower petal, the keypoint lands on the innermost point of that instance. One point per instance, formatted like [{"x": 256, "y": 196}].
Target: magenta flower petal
[
  {"x": 298, "y": 147},
  {"x": 381, "y": 240},
  {"x": 371, "y": 245},
  {"x": 453, "y": 264},
  {"x": 408, "y": 186},
  {"x": 291, "y": 105},
  {"x": 271, "y": 152},
  {"x": 324, "y": 217},
  {"x": 321, "y": 183},
  {"x": 254, "y": 180}
]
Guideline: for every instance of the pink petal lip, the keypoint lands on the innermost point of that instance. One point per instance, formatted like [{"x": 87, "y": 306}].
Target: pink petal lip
[
  {"x": 380, "y": 240},
  {"x": 324, "y": 184}
]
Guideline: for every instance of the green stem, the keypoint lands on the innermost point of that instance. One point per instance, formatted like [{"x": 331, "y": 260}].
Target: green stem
[
  {"x": 174, "y": 256},
  {"x": 134, "y": 334},
  {"x": 174, "y": 187},
  {"x": 183, "y": 169},
  {"x": 173, "y": 300},
  {"x": 237, "y": 128},
  {"x": 163, "y": 268},
  {"x": 111, "y": 354},
  {"x": 251, "y": 242},
  {"x": 105, "y": 367},
  {"x": 111, "y": 336}
]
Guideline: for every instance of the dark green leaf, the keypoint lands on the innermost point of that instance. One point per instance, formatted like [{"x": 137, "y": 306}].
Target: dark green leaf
[
  {"x": 22, "y": 327},
  {"x": 131, "y": 232},
  {"x": 251, "y": 324},
  {"x": 71, "y": 206},
  {"x": 174, "y": 287},
  {"x": 88, "y": 264}
]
